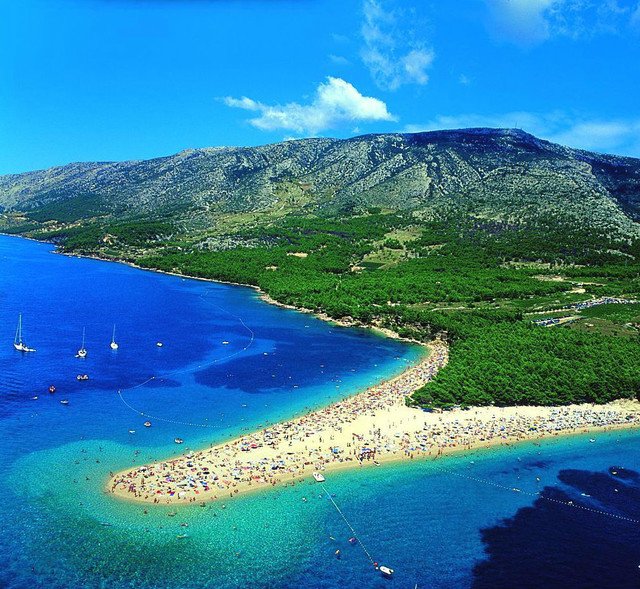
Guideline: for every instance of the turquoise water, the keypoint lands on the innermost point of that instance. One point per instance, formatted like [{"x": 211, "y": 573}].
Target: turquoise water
[{"x": 451, "y": 523}]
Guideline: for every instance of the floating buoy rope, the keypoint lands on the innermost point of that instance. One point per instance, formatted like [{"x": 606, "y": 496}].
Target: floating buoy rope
[
  {"x": 346, "y": 521},
  {"x": 538, "y": 495},
  {"x": 185, "y": 370}
]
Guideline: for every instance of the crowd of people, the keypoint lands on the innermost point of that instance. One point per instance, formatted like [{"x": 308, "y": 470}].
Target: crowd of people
[
  {"x": 480, "y": 427},
  {"x": 375, "y": 425}
]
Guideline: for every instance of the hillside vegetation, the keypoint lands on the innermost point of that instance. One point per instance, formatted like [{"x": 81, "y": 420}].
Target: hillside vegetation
[{"x": 467, "y": 235}]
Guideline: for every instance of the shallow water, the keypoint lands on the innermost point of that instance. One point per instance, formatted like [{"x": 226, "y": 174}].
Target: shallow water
[{"x": 438, "y": 524}]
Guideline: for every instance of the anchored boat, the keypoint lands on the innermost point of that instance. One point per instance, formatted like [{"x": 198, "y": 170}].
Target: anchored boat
[
  {"x": 18, "y": 343},
  {"x": 82, "y": 352},
  {"x": 113, "y": 345},
  {"x": 318, "y": 477}
]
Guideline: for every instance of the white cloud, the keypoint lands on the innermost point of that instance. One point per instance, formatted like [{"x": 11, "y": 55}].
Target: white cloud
[
  {"x": 338, "y": 38},
  {"x": 335, "y": 102},
  {"x": 536, "y": 124},
  {"x": 415, "y": 64},
  {"x": 620, "y": 136},
  {"x": 528, "y": 22},
  {"x": 339, "y": 59},
  {"x": 525, "y": 21},
  {"x": 243, "y": 102},
  {"x": 392, "y": 58},
  {"x": 612, "y": 136}
]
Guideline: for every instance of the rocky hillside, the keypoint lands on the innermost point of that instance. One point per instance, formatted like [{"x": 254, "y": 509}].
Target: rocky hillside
[{"x": 506, "y": 175}]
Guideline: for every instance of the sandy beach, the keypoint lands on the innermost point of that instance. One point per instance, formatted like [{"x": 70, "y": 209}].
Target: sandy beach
[{"x": 361, "y": 431}]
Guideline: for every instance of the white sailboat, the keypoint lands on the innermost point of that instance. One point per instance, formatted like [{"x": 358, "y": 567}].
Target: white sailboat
[
  {"x": 82, "y": 352},
  {"x": 113, "y": 345},
  {"x": 18, "y": 343}
]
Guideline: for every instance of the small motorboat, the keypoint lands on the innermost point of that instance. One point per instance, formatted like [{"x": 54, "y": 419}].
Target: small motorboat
[
  {"x": 132, "y": 431},
  {"x": 319, "y": 478},
  {"x": 52, "y": 389},
  {"x": 159, "y": 344},
  {"x": 386, "y": 571},
  {"x": 182, "y": 536},
  {"x": 147, "y": 424},
  {"x": 178, "y": 440},
  {"x": 592, "y": 440},
  {"x": 225, "y": 343},
  {"x": 82, "y": 377},
  {"x": 353, "y": 540},
  {"x": 35, "y": 398},
  {"x": 64, "y": 402}
]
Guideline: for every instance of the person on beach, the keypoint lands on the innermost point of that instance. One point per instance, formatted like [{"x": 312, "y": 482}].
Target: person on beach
[{"x": 294, "y": 449}]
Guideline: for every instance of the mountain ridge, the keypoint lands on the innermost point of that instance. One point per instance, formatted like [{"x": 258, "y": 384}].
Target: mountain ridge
[
  {"x": 502, "y": 173},
  {"x": 496, "y": 241},
  {"x": 432, "y": 133}
]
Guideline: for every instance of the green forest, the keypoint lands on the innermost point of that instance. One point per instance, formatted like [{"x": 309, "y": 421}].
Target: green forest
[{"x": 478, "y": 283}]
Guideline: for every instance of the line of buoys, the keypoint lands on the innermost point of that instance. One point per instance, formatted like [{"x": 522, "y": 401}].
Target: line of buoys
[
  {"x": 539, "y": 495},
  {"x": 354, "y": 539},
  {"x": 183, "y": 370}
]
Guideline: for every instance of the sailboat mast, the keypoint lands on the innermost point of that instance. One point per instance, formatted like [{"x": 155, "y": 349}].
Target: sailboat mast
[{"x": 18, "y": 338}]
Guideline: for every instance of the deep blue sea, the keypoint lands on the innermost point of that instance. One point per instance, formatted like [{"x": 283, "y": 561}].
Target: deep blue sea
[{"x": 454, "y": 523}]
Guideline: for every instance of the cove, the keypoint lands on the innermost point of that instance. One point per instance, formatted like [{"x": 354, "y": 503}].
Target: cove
[{"x": 435, "y": 528}]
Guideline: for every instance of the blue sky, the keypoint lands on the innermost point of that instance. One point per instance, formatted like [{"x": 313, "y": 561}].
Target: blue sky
[{"x": 87, "y": 80}]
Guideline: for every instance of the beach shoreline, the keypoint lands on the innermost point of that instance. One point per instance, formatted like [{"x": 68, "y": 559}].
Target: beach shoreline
[
  {"x": 352, "y": 408},
  {"x": 264, "y": 296},
  {"x": 386, "y": 461},
  {"x": 371, "y": 428},
  {"x": 622, "y": 409}
]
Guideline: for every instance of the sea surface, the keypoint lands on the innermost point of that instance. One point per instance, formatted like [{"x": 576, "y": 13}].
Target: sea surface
[{"x": 573, "y": 522}]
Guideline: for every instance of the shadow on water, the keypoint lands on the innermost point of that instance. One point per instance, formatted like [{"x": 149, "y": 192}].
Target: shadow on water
[
  {"x": 324, "y": 360},
  {"x": 558, "y": 546}
]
